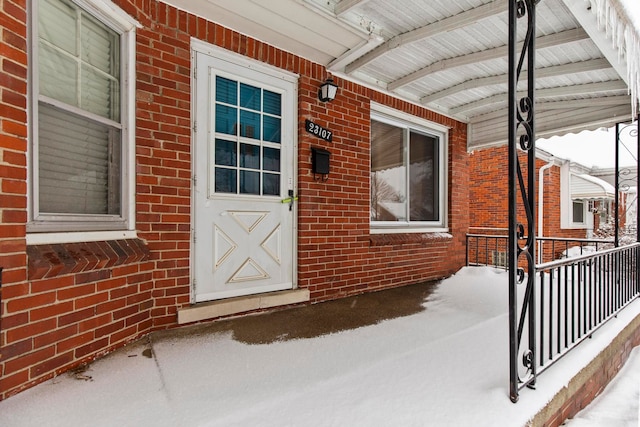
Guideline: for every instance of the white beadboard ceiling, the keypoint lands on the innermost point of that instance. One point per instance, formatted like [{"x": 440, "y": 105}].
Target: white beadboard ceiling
[{"x": 451, "y": 55}]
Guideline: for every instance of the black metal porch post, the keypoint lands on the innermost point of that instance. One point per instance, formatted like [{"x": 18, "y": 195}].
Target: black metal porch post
[
  {"x": 521, "y": 134},
  {"x": 616, "y": 206},
  {"x": 513, "y": 244}
]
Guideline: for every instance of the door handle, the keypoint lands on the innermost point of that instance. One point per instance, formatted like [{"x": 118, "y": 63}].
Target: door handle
[{"x": 290, "y": 199}]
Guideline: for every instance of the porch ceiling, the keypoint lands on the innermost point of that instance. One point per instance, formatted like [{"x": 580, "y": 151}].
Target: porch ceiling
[{"x": 451, "y": 56}]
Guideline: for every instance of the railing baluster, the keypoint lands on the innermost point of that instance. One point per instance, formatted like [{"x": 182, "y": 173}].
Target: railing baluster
[
  {"x": 541, "y": 350},
  {"x": 568, "y": 269},
  {"x": 551, "y": 282},
  {"x": 581, "y": 280},
  {"x": 558, "y": 311}
]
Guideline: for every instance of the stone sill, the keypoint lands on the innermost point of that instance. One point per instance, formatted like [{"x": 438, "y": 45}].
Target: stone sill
[{"x": 230, "y": 306}]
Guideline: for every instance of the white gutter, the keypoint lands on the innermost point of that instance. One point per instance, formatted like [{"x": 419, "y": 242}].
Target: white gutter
[{"x": 541, "y": 204}]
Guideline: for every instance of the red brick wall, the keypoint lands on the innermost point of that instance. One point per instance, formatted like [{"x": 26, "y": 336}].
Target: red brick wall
[
  {"x": 13, "y": 184},
  {"x": 337, "y": 255},
  {"x": 66, "y": 304},
  {"x": 488, "y": 191}
]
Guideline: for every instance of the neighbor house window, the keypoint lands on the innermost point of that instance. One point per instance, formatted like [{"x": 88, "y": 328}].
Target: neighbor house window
[
  {"x": 408, "y": 173},
  {"x": 578, "y": 215},
  {"x": 81, "y": 134}
]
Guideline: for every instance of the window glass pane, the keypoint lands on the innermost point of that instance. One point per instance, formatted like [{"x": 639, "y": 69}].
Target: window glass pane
[
  {"x": 271, "y": 129},
  {"x": 271, "y": 159},
  {"x": 78, "y": 164},
  {"x": 249, "y": 182},
  {"x": 423, "y": 177},
  {"x": 57, "y": 25},
  {"x": 225, "y": 153},
  {"x": 100, "y": 46},
  {"x": 272, "y": 103},
  {"x": 57, "y": 75},
  {"x": 578, "y": 212},
  {"x": 250, "y": 124},
  {"x": 271, "y": 184},
  {"x": 388, "y": 173},
  {"x": 226, "y": 119},
  {"x": 225, "y": 180},
  {"x": 249, "y": 156},
  {"x": 100, "y": 94},
  {"x": 226, "y": 91},
  {"x": 100, "y": 81},
  {"x": 250, "y": 97}
]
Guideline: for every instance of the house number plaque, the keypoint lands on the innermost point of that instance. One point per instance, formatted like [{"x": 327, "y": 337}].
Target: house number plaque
[{"x": 319, "y": 131}]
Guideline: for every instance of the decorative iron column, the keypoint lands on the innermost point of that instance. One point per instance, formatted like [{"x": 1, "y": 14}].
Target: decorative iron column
[
  {"x": 521, "y": 251},
  {"x": 623, "y": 178},
  {"x": 616, "y": 180}
]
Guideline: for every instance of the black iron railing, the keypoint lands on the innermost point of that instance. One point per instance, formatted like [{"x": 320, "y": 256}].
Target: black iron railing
[
  {"x": 491, "y": 250},
  {"x": 576, "y": 296},
  {"x": 569, "y": 298}
]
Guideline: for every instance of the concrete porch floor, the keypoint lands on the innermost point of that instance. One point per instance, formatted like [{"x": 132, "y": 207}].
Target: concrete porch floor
[{"x": 305, "y": 366}]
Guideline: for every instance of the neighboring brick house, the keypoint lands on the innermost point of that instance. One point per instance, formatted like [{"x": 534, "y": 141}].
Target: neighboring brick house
[
  {"x": 134, "y": 171},
  {"x": 574, "y": 202}
]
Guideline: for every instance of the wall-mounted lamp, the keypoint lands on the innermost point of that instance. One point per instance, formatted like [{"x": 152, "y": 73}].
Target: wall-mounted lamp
[{"x": 327, "y": 91}]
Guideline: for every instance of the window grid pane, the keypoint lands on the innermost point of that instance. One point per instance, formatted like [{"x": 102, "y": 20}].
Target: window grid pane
[
  {"x": 252, "y": 116},
  {"x": 79, "y": 59}
]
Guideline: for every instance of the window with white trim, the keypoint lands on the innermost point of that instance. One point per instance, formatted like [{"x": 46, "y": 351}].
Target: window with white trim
[
  {"x": 578, "y": 212},
  {"x": 81, "y": 137},
  {"x": 408, "y": 173}
]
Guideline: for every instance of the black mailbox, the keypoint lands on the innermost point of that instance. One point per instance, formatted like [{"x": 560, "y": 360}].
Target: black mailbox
[{"x": 320, "y": 159}]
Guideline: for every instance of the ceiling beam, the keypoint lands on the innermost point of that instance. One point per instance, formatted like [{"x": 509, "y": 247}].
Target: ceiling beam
[
  {"x": 345, "y": 6},
  {"x": 606, "y": 101},
  {"x": 338, "y": 64},
  {"x": 556, "y": 70},
  {"x": 583, "y": 89},
  {"x": 447, "y": 24},
  {"x": 564, "y": 37}
]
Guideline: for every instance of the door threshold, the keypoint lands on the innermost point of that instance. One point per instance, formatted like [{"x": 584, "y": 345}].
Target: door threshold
[{"x": 226, "y": 307}]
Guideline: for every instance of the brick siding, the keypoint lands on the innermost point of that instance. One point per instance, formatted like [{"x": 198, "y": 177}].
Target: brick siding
[
  {"x": 489, "y": 211},
  {"x": 63, "y": 305}
]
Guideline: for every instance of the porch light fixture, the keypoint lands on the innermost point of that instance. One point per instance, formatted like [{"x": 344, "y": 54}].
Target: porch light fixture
[{"x": 327, "y": 91}]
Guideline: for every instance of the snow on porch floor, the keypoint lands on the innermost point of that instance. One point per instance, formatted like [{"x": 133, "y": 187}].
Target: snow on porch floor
[{"x": 440, "y": 358}]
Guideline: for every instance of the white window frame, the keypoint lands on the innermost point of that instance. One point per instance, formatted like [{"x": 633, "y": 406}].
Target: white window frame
[
  {"x": 394, "y": 117},
  {"x": 62, "y": 227},
  {"x": 566, "y": 203},
  {"x": 582, "y": 223}
]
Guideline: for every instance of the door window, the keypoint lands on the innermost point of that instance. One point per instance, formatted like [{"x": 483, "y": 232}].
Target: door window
[{"x": 248, "y": 123}]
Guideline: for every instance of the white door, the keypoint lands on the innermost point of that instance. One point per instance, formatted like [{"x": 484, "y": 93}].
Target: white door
[{"x": 244, "y": 155}]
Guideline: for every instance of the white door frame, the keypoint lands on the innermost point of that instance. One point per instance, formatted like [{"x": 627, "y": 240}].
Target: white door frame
[{"x": 200, "y": 47}]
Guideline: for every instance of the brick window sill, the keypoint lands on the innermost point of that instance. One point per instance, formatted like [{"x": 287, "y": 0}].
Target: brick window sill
[
  {"x": 51, "y": 260},
  {"x": 408, "y": 238}
]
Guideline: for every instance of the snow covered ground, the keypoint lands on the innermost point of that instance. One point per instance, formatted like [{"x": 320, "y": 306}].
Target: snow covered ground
[{"x": 444, "y": 366}]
